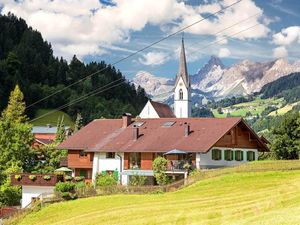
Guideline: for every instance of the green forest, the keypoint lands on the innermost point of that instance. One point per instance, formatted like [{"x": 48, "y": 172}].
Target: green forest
[{"x": 27, "y": 60}]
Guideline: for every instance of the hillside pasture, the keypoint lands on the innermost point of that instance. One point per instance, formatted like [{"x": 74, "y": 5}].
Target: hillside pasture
[
  {"x": 255, "y": 107},
  {"x": 51, "y": 118},
  {"x": 268, "y": 197}
]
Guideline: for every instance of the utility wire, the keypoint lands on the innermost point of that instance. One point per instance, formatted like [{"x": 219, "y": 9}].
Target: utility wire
[
  {"x": 99, "y": 90},
  {"x": 134, "y": 53}
]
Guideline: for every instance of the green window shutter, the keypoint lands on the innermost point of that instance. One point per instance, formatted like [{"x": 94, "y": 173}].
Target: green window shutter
[
  {"x": 242, "y": 155},
  {"x": 216, "y": 154},
  {"x": 82, "y": 173}
]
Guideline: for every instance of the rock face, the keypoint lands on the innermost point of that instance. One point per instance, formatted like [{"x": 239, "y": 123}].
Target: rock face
[{"x": 217, "y": 81}]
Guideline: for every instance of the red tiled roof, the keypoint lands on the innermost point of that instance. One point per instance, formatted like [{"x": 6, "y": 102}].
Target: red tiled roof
[
  {"x": 108, "y": 135},
  {"x": 163, "y": 110}
]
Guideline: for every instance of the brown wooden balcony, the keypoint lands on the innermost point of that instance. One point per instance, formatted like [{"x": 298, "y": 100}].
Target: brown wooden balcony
[{"x": 40, "y": 179}]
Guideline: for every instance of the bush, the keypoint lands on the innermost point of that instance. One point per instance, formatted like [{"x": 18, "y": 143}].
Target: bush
[
  {"x": 32, "y": 177},
  {"x": 159, "y": 168},
  {"x": 137, "y": 180},
  {"x": 47, "y": 177},
  {"x": 106, "y": 180},
  {"x": 65, "y": 187},
  {"x": 66, "y": 190}
]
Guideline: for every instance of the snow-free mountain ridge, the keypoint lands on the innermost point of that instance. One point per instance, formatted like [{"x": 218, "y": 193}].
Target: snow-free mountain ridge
[{"x": 217, "y": 81}]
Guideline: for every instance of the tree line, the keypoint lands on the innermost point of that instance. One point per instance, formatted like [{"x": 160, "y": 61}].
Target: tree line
[{"x": 27, "y": 60}]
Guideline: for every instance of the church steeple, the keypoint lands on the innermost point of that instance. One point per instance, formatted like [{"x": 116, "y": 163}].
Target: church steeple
[
  {"x": 182, "y": 71},
  {"x": 182, "y": 104}
]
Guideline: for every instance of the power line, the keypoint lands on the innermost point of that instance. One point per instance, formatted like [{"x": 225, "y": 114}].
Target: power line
[
  {"x": 94, "y": 92},
  {"x": 134, "y": 53}
]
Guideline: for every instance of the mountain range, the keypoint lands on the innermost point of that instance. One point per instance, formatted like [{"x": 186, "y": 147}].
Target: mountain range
[{"x": 214, "y": 80}]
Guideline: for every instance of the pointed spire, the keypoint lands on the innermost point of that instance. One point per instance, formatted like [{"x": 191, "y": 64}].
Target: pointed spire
[{"x": 182, "y": 72}]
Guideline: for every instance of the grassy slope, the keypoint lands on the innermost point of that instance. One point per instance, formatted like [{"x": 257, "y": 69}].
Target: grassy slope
[
  {"x": 51, "y": 118},
  {"x": 255, "y": 107},
  {"x": 244, "y": 198},
  {"x": 284, "y": 109}
]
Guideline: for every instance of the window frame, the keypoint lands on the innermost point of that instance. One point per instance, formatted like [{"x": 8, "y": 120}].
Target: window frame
[
  {"x": 252, "y": 154},
  {"x": 241, "y": 155},
  {"x": 110, "y": 155},
  {"x": 225, "y": 155},
  {"x": 216, "y": 154},
  {"x": 180, "y": 94}
]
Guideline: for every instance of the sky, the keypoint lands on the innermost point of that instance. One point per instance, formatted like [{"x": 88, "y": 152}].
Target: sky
[{"x": 109, "y": 30}]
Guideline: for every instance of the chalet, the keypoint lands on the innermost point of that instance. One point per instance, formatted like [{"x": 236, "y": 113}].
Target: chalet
[{"x": 131, "y": 145}]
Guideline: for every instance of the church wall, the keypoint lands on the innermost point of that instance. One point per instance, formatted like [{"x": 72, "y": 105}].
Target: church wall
[
  {"x": 182, "y": 108},
  {"x": 148, "y": 111}
]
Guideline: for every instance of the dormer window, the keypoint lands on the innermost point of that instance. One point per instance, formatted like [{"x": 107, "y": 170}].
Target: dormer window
[{"x": 180, "y": 94}]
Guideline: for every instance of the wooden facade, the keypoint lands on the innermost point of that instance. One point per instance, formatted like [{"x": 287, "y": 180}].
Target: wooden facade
[
  {"x": 80, "y": 159},
  {"x": 238, "y": 137}
]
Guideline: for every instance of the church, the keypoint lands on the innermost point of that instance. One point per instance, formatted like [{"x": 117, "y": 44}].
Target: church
[{"x": 182, "y": 96}]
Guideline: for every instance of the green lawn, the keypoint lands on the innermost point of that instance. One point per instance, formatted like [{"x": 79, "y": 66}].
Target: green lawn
[
  {"x": 51, "y": 118},
  {"x": 237, "y": 198},
  {"x": 255, "y": 107}
]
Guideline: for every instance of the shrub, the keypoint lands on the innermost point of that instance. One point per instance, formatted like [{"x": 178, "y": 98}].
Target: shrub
[
  {"x": 66, "y": 190},
  {"x": 47, "y": 177},
  {"x": 18, "y": 177},
  {"x": 65, "y": 187},
  {"x": 32, "y": 177},
  {"x": 68, "y": 178},
  {"x": 106, "y": 180},
  {"x": 137, "y": 180},
  {"x": 78, "y": 179},
  {"x": 159, "y": 168}
]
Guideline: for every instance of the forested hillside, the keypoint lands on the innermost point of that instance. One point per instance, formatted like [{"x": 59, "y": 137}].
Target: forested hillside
[
  {"x": 287, "y": 87},
  {"x": 26, "y": 59}
]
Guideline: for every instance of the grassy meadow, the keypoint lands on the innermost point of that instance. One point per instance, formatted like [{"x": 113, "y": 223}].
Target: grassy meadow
[
  {"x": 269, "y": 197},
  {"x": 255, "y": 107},
  {"x": 51, "y": 118}
]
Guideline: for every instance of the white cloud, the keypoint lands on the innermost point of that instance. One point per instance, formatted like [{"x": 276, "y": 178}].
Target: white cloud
[
  {"x": 154, "y": 58},
  {"x": 287, "y": 36},
  {"x": 224, "y": 52},
  {"x": 238, "y": 12},
  {"x": 280, "y": 52},
  {"x": 82, "y": 27}
]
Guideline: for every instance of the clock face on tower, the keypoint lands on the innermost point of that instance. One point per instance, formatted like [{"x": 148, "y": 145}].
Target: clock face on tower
[{"x": 180, "y": 84}]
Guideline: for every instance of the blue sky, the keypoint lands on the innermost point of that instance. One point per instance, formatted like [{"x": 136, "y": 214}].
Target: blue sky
[{"x": 109, "y": 30}]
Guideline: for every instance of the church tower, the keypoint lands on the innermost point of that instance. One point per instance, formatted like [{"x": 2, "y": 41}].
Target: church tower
[{"x": 182, "y": 96}]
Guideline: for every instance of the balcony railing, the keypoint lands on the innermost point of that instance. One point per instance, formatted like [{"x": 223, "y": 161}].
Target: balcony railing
[
  {"x": 36, "y": 179},
  {"x": 178, "y": 165}
]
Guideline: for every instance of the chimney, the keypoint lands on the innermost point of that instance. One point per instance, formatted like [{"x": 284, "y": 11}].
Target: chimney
[
  {"x": 126, "y": 120},
  {"x": 135, "y": 132},
  {"x": 186, "y": 129}
]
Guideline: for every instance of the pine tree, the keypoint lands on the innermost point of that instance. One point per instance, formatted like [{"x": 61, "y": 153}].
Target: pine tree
[
  {"x": 15, "y": 146},
  {"x": 78, "y": 123},
  {"x": 15, "y": 110}
]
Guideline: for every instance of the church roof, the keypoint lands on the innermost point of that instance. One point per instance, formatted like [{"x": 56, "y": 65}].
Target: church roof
[
  {"x": 182, "y": 72},
  {"x": 163, "y": 110}
]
